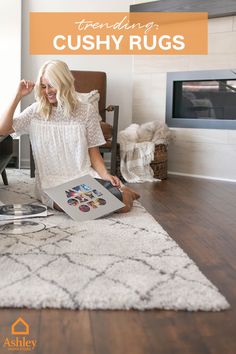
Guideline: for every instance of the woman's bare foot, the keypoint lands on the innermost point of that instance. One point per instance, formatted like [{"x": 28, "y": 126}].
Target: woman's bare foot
[{"x": 129, "y": 195}]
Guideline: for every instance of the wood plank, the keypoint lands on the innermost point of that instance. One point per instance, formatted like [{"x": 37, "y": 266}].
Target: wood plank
[
  {"x": 183, "y": 336},
  {"x": 65, "y": 331},
  {"x": 119, "y": 332}
]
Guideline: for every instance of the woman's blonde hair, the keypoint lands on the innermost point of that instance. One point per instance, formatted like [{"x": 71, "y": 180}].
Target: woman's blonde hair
[{"x": 59, "y": 77}]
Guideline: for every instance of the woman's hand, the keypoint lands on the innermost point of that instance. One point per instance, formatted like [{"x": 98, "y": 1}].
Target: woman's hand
[
  {"x": 6, "y": 121},
  {"x": 25, "y": 87},
  {"x": 115, "y": 181},
  {"x": 99, "y": 166}
]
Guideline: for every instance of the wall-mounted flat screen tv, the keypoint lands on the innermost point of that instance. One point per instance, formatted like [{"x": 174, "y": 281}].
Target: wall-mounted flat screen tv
[{"x": 201, "y": 99}]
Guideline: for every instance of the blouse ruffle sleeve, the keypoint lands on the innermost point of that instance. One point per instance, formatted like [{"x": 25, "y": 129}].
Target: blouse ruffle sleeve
[
  {"x": 21, "y": 123},
  {"x": 94, "y": 132}
]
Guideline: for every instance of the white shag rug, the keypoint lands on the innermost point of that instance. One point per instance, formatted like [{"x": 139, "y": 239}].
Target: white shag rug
[{"x": 125, "y": 261}]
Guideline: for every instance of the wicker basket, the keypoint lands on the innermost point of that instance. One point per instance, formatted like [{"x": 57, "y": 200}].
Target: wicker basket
[{"x": 159, "y": 164}]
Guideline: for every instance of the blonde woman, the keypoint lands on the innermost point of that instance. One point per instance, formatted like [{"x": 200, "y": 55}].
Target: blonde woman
[{"x": 64, "y": 133}]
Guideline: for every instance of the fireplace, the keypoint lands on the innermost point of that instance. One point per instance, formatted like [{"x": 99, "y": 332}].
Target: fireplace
[{"x": 201, "y": 99}]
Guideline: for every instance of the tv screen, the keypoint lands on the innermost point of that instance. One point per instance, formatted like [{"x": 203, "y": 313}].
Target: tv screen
[
  {"x": 201, "y": 99},
  {"x": 208, "y": 99}
]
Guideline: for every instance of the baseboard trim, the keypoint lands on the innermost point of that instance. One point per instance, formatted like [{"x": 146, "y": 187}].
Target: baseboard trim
[{"x": 201, "y": 176}]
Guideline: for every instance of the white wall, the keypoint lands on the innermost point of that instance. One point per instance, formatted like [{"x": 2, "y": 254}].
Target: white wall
[
  {"x": 10, "y": 49},
  {"x": 203, "y": 152},
  {"x": 118, "y": 68}
]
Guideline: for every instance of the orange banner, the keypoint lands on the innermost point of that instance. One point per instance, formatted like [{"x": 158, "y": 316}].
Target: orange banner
[{"x": 165, "y": 33}]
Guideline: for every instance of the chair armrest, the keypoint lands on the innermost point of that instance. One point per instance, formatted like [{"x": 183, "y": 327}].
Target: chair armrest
[{"x": 115, "y": 110}]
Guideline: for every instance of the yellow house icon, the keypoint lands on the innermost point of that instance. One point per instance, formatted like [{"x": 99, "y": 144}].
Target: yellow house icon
[{"x": 20, "y": 322}]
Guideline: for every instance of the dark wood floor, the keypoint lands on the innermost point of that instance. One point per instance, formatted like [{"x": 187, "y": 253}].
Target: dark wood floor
[{"x": 201, "y": 216}]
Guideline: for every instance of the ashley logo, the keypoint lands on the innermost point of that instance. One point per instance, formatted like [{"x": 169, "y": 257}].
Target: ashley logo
[{"x": 19, "y": 340}]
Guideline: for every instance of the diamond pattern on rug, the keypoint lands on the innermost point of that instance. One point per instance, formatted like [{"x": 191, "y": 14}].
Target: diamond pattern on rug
[{"x": 124, "y": 261}]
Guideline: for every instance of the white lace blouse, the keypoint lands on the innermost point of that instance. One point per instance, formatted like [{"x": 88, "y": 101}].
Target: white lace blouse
[{"x": 60, "y": 144}]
